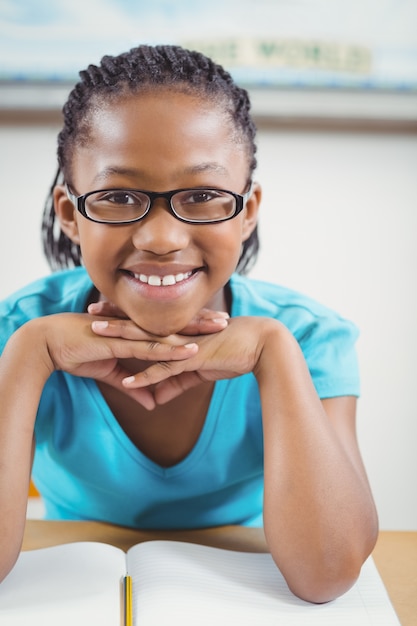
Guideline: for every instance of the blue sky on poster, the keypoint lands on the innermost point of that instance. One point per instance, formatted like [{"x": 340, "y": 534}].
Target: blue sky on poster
[{"x": 56, "y": 38}]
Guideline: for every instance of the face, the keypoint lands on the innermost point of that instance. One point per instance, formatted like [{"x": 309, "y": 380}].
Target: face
[{"x": 159, "y": 142}]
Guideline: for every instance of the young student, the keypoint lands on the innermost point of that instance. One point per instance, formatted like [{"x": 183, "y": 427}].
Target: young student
[{"x": 152, "y": 383}]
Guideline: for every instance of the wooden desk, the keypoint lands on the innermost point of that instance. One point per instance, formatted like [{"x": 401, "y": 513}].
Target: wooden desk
[{"x": 395, "y": 554}]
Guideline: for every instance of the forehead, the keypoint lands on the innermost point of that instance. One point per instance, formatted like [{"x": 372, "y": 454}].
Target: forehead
[
  {"x": 161, "y": 118},
  {"x": 159, "y": 133}
]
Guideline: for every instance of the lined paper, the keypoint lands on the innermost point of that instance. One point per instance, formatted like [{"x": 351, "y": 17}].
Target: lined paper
[
  {"x": 194, "y": 584},
  {"x": 74, "y": 584},
  {"x": 175, "y": 584}
]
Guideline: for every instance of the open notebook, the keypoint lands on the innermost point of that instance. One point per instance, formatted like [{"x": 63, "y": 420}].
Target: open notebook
[{"x": 174, "y": 583}]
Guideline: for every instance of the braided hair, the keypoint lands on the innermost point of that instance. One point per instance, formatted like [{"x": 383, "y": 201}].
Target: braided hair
[{"x": 140, "y": 70}]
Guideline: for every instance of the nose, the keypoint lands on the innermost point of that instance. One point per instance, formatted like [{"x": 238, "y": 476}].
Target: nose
[{"x": 160, "y": 232}]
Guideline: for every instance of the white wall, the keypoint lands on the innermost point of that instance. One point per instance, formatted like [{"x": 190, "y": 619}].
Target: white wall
[{"x": 339, "y": 223}]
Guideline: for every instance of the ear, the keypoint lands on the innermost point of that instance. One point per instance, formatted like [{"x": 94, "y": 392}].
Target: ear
[
  {"x": 251, "y": 212},
  {"x": 66, "y": 213}
]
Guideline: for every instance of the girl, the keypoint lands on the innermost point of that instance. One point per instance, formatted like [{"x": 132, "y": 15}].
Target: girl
[{"x": 154, "y": 385}]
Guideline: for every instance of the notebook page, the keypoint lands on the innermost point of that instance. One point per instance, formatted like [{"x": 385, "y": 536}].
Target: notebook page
[
  {"x": 185, "y": 584},
  {"x": 68, "y": 585}
]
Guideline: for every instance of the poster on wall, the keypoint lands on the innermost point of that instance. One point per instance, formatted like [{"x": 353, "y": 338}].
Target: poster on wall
[{"x": 362, "y": 44}]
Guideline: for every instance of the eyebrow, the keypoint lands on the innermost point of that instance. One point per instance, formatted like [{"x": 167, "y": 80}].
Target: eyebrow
[
  {"x": 199, "y": 168},
  {"x": 206, "y": 167}
]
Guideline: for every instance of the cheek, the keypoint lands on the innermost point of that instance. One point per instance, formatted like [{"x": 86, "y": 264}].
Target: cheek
[
  {"x": 233, "y": 235},
  {"x": 99, "y": 239},
  {"x": 99, "y": 247},
  {"x": 224, "y": 244}
]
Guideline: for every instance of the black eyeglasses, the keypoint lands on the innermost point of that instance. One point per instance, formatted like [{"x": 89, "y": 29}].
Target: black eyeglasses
[{"x": 193, "y": 206}]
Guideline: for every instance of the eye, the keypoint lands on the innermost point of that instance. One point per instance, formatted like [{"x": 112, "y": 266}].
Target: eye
[
  {"x": 121, "y": 197},
  {"x": 113, "y": 205},
  {"x": 200, "y": 196}
]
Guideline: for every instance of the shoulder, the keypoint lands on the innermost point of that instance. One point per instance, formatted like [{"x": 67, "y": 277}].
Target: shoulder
[
  {"x": 59, "y": 292},
  {"x": 294, "y": 309},
  {"x": 326, "y": 338}
]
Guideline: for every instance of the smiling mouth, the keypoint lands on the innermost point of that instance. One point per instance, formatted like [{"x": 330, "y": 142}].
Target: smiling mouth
[{"x": 162, "y": 281}]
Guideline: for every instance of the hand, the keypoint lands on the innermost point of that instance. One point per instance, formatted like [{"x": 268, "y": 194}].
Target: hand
[
  {"x": 72, "y": 346},
  {"x": 204, "y": 323},
  {"x": 234, "y": 351}
]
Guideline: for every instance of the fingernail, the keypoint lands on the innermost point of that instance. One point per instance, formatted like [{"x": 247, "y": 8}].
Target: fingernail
[
  {"x": 94, "y": 306},
  {"x": 99, "y": 325},
  {"x": 128, "y": 380},
  {"x": 190, "y": 345},
  {"x": 220, "y": 320}
]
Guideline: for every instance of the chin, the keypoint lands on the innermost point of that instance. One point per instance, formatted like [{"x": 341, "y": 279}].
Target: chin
[
  {"x": 161, "y": 331},
  {"x": 160, "y": 328}
]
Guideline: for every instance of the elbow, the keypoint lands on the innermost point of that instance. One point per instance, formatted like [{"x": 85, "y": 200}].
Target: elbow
[
  {"x": 9, "y": 553},
  {"x": 322, "y": 586},
  {"x": 327, "y": 572},
  {"x": 7, "y": 562},
  {"x": 11, "y": 540},
  {"x": 328, "y": 577}
]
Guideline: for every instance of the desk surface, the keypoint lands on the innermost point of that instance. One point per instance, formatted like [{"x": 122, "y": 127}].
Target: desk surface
[{"x": 395, "y": 554}]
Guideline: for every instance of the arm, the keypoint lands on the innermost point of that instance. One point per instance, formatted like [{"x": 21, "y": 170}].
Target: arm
[
  {"x": 319, "y": 515},
  {"x": 23, "y": 373},
  {"x": 34, "y": 351}
]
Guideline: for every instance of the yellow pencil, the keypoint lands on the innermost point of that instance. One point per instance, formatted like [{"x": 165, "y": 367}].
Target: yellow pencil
[{"x": 128, "y": 601}]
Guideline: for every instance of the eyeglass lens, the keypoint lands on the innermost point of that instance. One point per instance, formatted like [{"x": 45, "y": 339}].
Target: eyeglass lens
[{"x": 192, "y": 204}]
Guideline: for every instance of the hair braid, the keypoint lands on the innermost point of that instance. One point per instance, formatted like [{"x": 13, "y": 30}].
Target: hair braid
[{"x": 141, "y": 69}]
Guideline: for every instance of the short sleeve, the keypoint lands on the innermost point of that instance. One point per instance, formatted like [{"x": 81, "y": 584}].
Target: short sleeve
[
  {"x": 329, "y": 347},
  {"x": 327, "y": 339}
]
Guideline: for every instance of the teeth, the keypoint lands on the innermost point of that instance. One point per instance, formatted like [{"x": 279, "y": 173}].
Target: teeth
[
  {"x": 157, "y": 281},
  {"x": 169, "y": 280}
]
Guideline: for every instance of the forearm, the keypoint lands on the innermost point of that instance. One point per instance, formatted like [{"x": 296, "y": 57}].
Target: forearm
[
  {"x": 24, "y": 369},
  {"x": 319, "y": 516}
]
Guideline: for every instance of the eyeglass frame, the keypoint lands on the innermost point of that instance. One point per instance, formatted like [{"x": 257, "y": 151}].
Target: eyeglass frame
[{"x": 79, "y": 203}]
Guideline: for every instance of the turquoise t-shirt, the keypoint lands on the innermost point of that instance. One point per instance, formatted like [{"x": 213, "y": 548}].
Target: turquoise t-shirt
[{"x": 87, "y": 468}]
